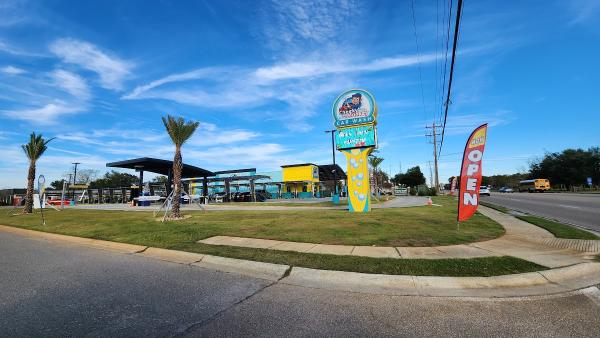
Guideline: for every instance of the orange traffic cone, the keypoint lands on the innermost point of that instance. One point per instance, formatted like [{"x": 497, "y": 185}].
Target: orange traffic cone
[{"x": 429, "y": 201}]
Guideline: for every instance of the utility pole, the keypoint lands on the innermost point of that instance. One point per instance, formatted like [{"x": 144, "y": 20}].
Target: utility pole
[
  {"x": 434, "y": 136},
  {"x": 430, "y": 173}
]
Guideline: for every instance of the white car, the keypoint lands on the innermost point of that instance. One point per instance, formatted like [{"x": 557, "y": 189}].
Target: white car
[{"x": 484, "y": 190}]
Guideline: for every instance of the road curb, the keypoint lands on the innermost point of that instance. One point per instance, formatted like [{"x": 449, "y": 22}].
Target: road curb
[
  {"x": 89, "y": 242},
  {"x": 553, "y": 281},
  {"x": 541, "y": 283},
  {"x": 268, "y": 271}
]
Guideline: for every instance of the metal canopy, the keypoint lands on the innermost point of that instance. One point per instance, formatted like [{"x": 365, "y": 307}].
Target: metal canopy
[
  {"x": 158, "y": 166},
  {"x": 326, "y": 172}
]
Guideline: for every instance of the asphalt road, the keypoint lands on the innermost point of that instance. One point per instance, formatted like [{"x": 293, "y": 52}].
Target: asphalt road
[
  {"x": 579, "y": 209},
  {"x": 48, "y": 289}
]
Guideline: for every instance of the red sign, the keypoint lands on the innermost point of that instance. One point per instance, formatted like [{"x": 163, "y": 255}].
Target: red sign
[{"x": 470, "y": 174}]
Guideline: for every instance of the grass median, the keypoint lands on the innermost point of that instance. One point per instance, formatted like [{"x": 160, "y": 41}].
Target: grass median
[
  {"x": 558, "y": 229},
  {"x": 416, "y": 226}
]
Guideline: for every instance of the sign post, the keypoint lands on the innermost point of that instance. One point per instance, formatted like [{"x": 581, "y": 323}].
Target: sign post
[
  {"x": 41, "y": 196},
  {"x": 355, "y": 117}
]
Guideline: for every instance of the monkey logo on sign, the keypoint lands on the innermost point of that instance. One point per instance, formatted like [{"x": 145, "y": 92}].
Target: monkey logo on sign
[{"x": 354, "y": 107}]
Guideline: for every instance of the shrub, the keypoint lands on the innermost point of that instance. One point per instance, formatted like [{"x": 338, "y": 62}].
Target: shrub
[
  {"x": 423, "y": 190},
  {"x": 412, "y": 191}
]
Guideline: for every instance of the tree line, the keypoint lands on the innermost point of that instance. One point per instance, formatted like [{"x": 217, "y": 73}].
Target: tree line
[{"x": 567, "y": 168}]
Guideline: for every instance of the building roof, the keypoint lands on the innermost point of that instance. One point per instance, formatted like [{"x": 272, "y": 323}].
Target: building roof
[
  {"x": 159, "y": 166},
  {"x": 297, "y": 165},
  {"x": 326, "y": 172}
]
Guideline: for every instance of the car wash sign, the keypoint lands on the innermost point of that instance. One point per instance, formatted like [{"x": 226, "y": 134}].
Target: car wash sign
[
  {"x": 354, "y": 107},
  {"x": 356, "y": 137},
  {"x": 470, "y": 174}
]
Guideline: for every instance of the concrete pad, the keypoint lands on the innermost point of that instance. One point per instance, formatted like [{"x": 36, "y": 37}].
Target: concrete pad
[
  {"x": 215, "y": 240},
  {"x": 375, "y": 251},
  {"x": 464, "y": 251},
  {"x": 576, "y": 276},
  {"x": 174, "y": 256},
  {"x": 331, "y": 249},
  {"x": 117, "y": 247},
  {"x": 261, "y": 270},
  {"x": 419, "y": 252},
  {"x": 241, "y": 241},
  {"x": 294, "y": 246},
  {"x": 352, "y": 281}
]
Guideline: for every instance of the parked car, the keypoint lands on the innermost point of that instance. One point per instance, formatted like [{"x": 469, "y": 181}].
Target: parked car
[
  {"x": 484, "y": 190},
  {"x": 506, "y": 190}
]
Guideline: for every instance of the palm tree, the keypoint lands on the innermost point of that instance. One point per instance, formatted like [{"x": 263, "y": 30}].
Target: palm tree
[
  {"x": 34, "y": 150},
  {"x": 375, "y": 161},
  {"x": 180, "y": 131}
]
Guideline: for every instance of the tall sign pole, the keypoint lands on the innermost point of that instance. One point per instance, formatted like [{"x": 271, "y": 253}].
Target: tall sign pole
[{"x": 355, "y": 118}]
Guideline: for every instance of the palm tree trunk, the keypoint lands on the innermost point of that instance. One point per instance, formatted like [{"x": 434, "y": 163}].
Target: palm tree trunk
[
  {"x": 177, "y": 168},
  {"x": 29, "y": 195}
]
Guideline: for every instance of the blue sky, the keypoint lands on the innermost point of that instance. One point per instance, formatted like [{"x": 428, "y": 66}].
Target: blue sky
[{"x": 261, "y": 77}]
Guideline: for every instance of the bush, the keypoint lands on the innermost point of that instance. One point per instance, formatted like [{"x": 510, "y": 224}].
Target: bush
[
  {"x": 423, "y": 190},
  {"x": 412, "y": 191},
  {"x": 432, "y": 191}
]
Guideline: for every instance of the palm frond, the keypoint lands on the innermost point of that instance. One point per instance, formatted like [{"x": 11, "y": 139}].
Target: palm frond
[
  {"x": 178, "y": 129},
  {"x": 36, "y": 146}
]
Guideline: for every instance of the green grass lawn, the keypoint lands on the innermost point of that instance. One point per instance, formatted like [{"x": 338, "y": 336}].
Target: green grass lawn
[
  {"x": 495, "y": 207},
  {"x": 559, "y": 230},
  {"x": 416, "y": 226}
]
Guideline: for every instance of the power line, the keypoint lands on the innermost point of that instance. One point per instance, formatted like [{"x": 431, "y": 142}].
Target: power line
[
  {"x": 446, "y": 56},
  {"x": 412, "y": 7},
  {"x": 456, "y": 27}
]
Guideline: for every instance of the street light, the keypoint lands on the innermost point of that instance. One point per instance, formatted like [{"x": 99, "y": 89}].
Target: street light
[
  {"x": 75, "y": 177},
  {"x": 332, "y": 131},
  {"x": 75, "y": 174}
]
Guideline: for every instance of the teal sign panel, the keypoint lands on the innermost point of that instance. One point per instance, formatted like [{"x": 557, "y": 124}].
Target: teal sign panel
[{"x": 356, "y": 137}]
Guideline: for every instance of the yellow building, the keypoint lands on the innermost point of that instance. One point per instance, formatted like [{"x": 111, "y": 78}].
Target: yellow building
[{"x": 300, "y": 180}]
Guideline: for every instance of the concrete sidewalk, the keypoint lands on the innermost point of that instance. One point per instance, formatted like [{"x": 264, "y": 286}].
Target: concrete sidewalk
[{"x": 523, "y": 240}]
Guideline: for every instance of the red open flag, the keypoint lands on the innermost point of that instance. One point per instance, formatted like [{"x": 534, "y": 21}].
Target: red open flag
[{"x": 470, "y": 173}]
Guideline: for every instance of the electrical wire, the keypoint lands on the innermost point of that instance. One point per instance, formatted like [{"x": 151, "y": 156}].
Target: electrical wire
[{"x": 456, "y": 30}]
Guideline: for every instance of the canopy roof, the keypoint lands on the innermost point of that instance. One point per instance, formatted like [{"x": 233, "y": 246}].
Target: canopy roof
[
  {"x": 158, "y": 166},
  {"x": 326, "y": 172}
]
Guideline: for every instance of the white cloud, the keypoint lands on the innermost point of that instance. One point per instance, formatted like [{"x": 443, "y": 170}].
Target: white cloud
[
  {"x": 111, "y": 69},
  {"x": 45, "y": 115},
  {"x": 72, "y": 83},
  {"x": 196, "y": 74},
  {"x": 583, "y": 10},
  {"x": 294, "y": 70},
  {"x": 289, "y": 26},
  {"x": 11, "y": 70}
]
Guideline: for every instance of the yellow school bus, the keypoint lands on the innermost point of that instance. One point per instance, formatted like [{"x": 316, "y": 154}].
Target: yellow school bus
[{"x": 540, "y": 185}]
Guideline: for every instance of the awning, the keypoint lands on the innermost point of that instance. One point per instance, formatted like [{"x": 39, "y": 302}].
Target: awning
[
  {"x": 158, "y": 166},
  {"x": 326, "y": 172}
]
